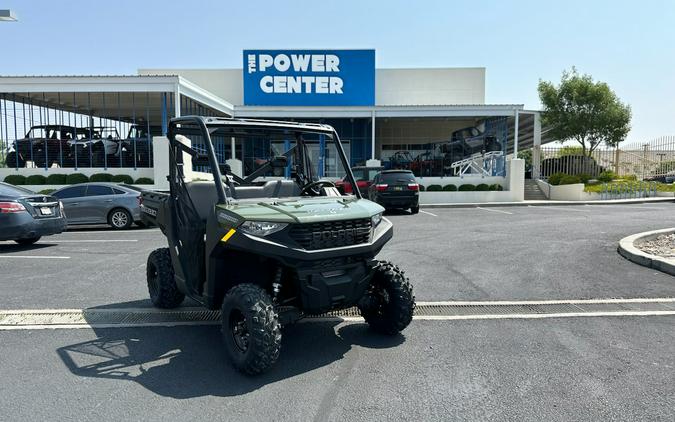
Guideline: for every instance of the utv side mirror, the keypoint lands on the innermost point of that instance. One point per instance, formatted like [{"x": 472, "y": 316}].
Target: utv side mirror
[{"x": 279, "y": 162}]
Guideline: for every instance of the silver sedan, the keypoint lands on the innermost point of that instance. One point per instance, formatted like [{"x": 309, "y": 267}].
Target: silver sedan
[{"x": 101, "y": 203}]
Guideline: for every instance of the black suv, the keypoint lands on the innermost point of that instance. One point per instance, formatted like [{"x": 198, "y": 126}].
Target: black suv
[{"x": 396, "y": 189}]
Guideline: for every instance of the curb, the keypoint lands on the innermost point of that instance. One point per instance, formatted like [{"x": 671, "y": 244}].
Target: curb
[
  {"x": 547, "y": 203},
  {"x": 630, "y": 252}
]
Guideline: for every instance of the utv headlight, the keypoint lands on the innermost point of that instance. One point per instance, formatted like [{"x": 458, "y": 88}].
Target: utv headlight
[
  {"x": 261, "y": 228},
  {"x": 375, "y": 220}
]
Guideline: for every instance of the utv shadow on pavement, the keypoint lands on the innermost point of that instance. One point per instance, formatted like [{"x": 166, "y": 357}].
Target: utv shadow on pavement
[
  {"x": 189, "y": 361},
  {"x": 15, "y": 247}
]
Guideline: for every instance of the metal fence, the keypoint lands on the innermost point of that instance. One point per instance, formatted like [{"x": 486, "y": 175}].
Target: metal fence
[{"x": 652, "y": 161}]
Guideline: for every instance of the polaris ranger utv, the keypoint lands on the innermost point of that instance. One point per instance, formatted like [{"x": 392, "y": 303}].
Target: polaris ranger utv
[{"x": 271, "y": 247}]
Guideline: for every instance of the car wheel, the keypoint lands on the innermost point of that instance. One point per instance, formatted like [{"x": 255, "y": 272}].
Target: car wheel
[
  {"x": 120, "y": 219},
  {"x": 28, "y": 241},
  {"x": 162, "y": 285},
  {"x": 389, "y": 302},
  {"x": 415, "y": 210},
  {"x": 251, "y": 329}
]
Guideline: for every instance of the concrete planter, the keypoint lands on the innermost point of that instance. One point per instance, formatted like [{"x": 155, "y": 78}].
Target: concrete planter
[{"x": 573, "y": 192}]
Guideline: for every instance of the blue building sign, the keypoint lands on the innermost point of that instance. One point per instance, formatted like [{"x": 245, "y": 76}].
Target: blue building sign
[{"x": 309, "y": 77}]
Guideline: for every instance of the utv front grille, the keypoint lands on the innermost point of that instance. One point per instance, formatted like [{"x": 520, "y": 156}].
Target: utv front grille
[{"x": 331, "y": 234}]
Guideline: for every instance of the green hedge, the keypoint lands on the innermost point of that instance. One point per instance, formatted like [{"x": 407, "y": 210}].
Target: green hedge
[
  {"x": 467, "y": 188},
  {"x": 47, "y": 191},
  {"x": 101, "y": 177},
  {"x": 421, "y": 188},
  {"x": 606, "y": 176},
  {"x": 122, "y": 178},
  {"x": 56, "y": 179},
  {"x": 554, "y": 179},
  {"x": 568, "y": 179},
  {"x": 36, "y": 179},
  {"x": 75, "y": 178},
  {"x": 15, "y": 179},
  {"x": 496, "y": 187},
  {"x": 483, "y": 187},
  {"x": 144, "y": 181},
  {"x": 450, "y": 188},
  {"x": 434, "y": 188}
]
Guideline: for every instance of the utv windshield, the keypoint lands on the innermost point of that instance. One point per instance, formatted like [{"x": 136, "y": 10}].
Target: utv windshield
[{"x": 310, "y": 161}]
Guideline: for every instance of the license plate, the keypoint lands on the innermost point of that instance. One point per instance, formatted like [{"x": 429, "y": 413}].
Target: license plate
[
  {"x": 45, "y": 211},
  {"x": 398, "y": 187}
]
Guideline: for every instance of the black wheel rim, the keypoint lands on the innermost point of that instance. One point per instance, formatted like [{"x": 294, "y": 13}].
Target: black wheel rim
[{"x": 239, "y": 330}]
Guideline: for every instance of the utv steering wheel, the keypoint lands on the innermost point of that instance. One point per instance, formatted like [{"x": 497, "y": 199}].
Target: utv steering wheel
[{"x": 315, "y": 187}]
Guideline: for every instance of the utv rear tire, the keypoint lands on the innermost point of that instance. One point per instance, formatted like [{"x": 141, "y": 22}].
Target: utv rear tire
[
  {"x": 27, "y": 242},
  {"x": 389, "y": 303},
  {"x": 251, "y": 329},
  {"x": 415, "y": 210},
  {"x": 14, "y": 160},
  {"x": 162, "y": 286}
]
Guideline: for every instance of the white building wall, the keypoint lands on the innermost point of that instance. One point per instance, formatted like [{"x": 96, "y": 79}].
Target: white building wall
[{"x": 392, "y": 86}]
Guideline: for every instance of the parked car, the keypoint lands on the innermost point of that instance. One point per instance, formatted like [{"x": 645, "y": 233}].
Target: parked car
[
  {"x": 26, "y": 216},
  {"x": 396, "y": 189},
  {"x": 364, "y": 178},
  {"x": 101, "y": 203}
]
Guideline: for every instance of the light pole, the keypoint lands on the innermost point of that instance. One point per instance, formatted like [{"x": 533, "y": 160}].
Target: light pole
[{"x": 7, "y": 15}]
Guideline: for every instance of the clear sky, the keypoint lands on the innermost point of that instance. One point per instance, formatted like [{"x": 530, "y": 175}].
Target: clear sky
[{"x": 630, "y": 45}]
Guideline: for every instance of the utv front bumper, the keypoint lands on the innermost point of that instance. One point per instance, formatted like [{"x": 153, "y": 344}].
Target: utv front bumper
[{"x": 331, "y": 278}]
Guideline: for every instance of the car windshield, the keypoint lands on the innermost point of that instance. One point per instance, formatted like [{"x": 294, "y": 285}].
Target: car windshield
[
  {"x": 10, "y": 190},
  {"x": 398, "y": 177}
]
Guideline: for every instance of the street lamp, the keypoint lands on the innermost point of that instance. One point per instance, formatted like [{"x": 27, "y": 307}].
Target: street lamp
[{"x": 7, "y": 15}]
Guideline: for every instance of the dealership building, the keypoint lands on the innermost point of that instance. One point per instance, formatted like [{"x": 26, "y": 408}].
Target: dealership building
[{"x": 434, "y": 120}]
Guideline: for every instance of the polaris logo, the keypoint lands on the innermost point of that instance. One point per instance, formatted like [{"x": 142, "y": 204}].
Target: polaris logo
[{"x": 335, "y": 235}]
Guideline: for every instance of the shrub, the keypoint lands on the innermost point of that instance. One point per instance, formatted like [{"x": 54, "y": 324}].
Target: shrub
[
  {"x": 47, "y": 191},
  {"x": 36, "y": 179},
  {"x": 144, "y": 181},
  {"x": 467, "y": 188},
  {"x": 15, "y": 179},
  {"x": 75, "y": 178},
  {"x": 606, "y": 176},
  {"x": 554, "y": 179},
  {"x": 421, "y": 188},
  {"x": 630, "y": 177},
  {"x": 568, "y": 179},
  {"x": 101, "y": 177},
  {"x": 584, "y": 178},
  {"x": 56, "y": 179},
  {"x": 495, "y": 187},
  {"x": 434, "y": 188},
  {"x": 450, "y": 188},
  {"x": 123, "y": 178},
  {"x": 482, "y": 187}
]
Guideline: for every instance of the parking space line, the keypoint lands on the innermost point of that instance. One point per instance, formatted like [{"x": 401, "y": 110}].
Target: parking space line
[
  {"x": 88, "y": 241},
  {"x": 428, "y": 213},
  {"x": 559, "y": 208},
  {"x": 34, "y": 257},
  {"x": 492, "y": 210}
]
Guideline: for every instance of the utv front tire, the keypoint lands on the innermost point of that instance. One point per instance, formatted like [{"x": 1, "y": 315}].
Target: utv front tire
[
  {"x": 389, "y": 302},
  {"x": 251, "y": 329},
  {"x": 162, "y": 286}
]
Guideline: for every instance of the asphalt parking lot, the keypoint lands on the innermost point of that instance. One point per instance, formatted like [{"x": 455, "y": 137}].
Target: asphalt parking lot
[{"x": 587, "y": 368}]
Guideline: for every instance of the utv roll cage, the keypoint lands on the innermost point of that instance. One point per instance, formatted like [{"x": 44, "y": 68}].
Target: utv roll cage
[{"x": 246, "y": 127}]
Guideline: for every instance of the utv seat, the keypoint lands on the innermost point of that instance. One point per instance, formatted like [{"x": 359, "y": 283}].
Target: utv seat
[{"x": 204, "y": 195}]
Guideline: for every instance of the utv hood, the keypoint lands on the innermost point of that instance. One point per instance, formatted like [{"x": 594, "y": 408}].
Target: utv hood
[{"x": 303, "y": 210}]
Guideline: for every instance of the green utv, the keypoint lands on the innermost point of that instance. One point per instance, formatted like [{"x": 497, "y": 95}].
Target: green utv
[{"x": 268, "y": 248}]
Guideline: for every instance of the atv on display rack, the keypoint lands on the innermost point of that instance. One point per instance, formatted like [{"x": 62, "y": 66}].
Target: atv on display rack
[{"x": 275, "y": 245}]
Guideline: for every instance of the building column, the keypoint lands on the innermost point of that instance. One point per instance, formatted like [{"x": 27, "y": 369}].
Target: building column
[
  {"x": 372, "y": 135},
  {"x": 536, "y": 148},
  {"x": 515, "y": 133}
]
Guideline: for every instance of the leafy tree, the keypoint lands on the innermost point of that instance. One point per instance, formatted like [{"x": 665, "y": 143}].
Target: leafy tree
[
  {"x": 526, "y": 155},
  {"x": 583, "y": 110},
  {"x": 570, "y": 150}
]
